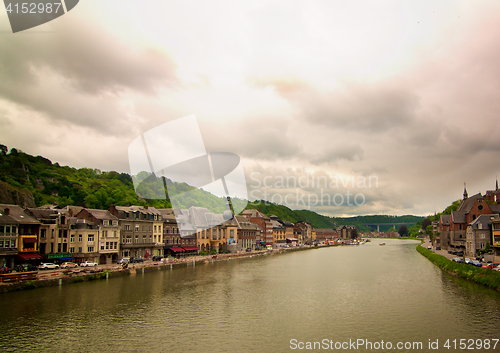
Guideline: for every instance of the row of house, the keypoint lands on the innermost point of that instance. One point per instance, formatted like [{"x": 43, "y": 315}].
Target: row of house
[
  {"x": 474, "y": 226},
  {"x": 80, "y": 234}
]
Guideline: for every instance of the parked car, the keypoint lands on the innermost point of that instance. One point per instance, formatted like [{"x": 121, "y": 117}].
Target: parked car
[
  {"x": 25, "y": 268},
  {"x": 69, "y": 265},
  {"x": 475, "y": 263},
  {"x": 467, "y": 260},
  {"x": 458, "y": 259},
  {"x": 48, "y": 266},
  {"x": 88, "y": 264},
  {"x": 492, "y": 265},
  {"x": 438, "y": 248},
  {"x": 429, "y": 247},
  {"x": 157, "y": 258},
  {"x": 136, "y": 259},
  {"x": 460, "y": 253},
  {"x": 124, "y": 260}
]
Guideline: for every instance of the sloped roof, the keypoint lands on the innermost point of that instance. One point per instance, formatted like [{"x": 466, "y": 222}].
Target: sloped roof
[
  {"x": 458, "y": 217},
  {"x": 495, "y": 208},
  {"x": 446, "y": 219},
  {"x": 467, "y": 204},
  {"x": 140, "y": 209},
  {"x": 276, "y": 224},
  {"x": 42, "y": 213},
  {"x": 484, "y": 220},
  {"x": 15, "y": 214},
  {"x": 101, "y": 214}
]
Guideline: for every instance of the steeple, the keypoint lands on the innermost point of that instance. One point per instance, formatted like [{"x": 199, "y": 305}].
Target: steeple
[
  {"x": 496, "y": 185},
  {"x": 465, "y": 192}
]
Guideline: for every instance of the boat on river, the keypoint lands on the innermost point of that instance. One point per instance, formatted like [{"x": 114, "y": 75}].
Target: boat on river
[{"x": 382, "y": 243}]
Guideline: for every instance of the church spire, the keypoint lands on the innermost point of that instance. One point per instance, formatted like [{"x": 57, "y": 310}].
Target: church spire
[
  {"x": 496, "y": 184},
  {"x": 465, "y": 192}
]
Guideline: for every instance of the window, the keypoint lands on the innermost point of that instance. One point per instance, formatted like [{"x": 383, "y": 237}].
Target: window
[
  {"x": 107, "y": 245},
  {"x": 105, "y": 223},
  {"x": 2, "y": 229},
  {"x": 155, "y": 228},
  {"x": 52, "y": 234},
  {"x": 80, "y": 238},
  {"x": 102, "y": 246},
  {"x": 90, "y": 249},
  {"x": 72, "y": 238},
  {"x": 90, "y": 237},
  {"x": 127, "y": 226},
  {"x": 80, "y": 249},
  {"x": 1, "y": 243},
  {"x": 136, "y": 228},
  {"x": 115, "y": 223},
  {"x": 43, "y": 233},
  {"x": 116, "y": 245},
  {"x": 71, "y": 250}
]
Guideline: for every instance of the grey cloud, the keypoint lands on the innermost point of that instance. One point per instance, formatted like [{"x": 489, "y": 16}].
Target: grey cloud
[
  {"x": 377, "y": 107},
  {"x": 264, "y": 139},
  {"x": 349, "y": 152},
  {"x": 93, "y": 60}
]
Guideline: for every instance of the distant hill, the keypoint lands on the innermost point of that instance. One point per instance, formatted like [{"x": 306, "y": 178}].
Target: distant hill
[{"x": 30, "y": 181}]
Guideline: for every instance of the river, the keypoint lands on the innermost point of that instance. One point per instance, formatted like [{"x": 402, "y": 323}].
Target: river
[{"x": 277, "y": 303}]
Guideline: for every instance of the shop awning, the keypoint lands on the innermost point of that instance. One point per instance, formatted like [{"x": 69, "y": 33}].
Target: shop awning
[
  {"x": 66, "y": 258},
  {"x": 30, "y": 256},
  {"x": 191, "y": 248},
  {"x": 29, "y": 240},
  {"x": 177, "y": 249},
  {"x": 291, "y": 239}
]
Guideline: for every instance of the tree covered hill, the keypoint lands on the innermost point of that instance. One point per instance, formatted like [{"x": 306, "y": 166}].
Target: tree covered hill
[{"x": 31, "y": 181}]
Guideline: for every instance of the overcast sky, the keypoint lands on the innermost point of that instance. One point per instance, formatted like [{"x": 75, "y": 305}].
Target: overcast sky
[{"x": 400, "y": 97}]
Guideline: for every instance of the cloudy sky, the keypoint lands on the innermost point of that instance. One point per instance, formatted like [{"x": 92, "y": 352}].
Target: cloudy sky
[{"x": 383, "y": 107}]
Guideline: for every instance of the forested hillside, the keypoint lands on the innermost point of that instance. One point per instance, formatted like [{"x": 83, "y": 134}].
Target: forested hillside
[{"x": 35, "y": 181}]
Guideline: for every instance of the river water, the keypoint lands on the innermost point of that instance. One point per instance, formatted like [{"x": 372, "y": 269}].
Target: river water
[{"x": 276, "y": 303}]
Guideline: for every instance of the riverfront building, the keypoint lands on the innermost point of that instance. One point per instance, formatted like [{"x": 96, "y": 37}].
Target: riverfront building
[
  {"x": 141, "y": 229},
  {"x": 18, "y": 235},
  {"x": 78, "y": 234}
]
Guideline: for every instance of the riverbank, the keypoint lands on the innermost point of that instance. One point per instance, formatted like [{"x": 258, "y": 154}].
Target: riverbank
[
  {"x": 60, "y": 277},
  {"x": 486, "y": 277}
]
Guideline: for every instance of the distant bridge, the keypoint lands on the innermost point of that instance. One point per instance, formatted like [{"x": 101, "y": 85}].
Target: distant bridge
[{"x": 371, "y": 225}]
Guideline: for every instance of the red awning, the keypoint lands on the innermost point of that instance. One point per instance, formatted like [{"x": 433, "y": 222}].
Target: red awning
[
  {"x": 177, "y": 249},
  {"x": 30, "y": 256},
  {"x": 29, "y": 240},
  {"x": 191, "y": 248}
]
